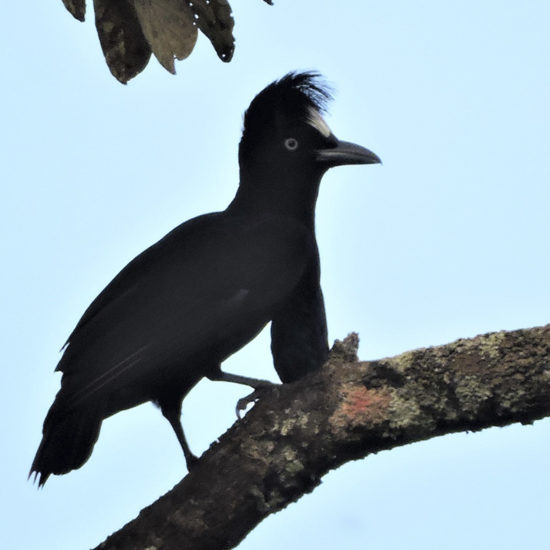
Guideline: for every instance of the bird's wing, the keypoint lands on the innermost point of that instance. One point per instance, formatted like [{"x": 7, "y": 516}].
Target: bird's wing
[
  {"x": 201, "y": 292},
  {"x": 299, "y": 340}
]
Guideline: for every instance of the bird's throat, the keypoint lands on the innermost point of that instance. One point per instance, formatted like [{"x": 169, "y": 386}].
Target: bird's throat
[{"x": 291, "y": 197}]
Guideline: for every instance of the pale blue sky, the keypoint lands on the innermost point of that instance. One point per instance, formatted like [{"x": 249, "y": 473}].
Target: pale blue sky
[{"x": 448, "y": 239}]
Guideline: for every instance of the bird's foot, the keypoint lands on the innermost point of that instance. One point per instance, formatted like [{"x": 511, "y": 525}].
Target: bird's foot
[
  {"x": 191, "y": 460},
  {"x": 252, "y": 398}
]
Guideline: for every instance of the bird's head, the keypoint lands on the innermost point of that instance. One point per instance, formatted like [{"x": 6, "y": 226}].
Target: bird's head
[
  {"x": 287, "y": 146},
  {"x": 284, "y": 130}
]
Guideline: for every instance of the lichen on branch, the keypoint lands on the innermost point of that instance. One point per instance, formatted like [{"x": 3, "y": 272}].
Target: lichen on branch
[{"x": 297, "y": 433}]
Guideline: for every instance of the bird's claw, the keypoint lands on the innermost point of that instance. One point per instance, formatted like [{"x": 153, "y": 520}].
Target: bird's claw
[
  {"x": 252, "y": 398},
  {"x": 243, "y": 403}
]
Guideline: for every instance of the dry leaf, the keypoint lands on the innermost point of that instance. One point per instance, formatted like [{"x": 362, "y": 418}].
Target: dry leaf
[
  {"x": 125, "y": 48},
  {"x": 77, "y": 8},
  {"x": 169, "y": 28},
  {"x": 129, "y": 30},
  {"x": 215, "y": 20}
]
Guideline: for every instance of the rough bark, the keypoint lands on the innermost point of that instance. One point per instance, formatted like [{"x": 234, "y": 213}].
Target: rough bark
[{"x": 297, "y": 433}]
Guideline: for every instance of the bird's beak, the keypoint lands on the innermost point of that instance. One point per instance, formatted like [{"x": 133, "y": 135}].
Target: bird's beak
[{"x": 345, "y": 152}]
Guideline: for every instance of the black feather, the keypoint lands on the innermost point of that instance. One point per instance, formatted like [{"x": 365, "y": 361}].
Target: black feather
[{"x": 289, "y": 98}]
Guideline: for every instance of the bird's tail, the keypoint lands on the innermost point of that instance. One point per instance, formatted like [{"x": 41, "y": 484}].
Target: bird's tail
[{"x": 67, "y": 441}]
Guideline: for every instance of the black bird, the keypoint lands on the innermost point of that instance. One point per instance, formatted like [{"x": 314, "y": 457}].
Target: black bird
[{"x": 184, "y": 305}]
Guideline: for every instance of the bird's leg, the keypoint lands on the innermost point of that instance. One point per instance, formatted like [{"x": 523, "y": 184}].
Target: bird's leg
[
  {"x": 256, "y": 383},
  {"x": 259, "y": 387},
  {"x": 173, "y": 415}
]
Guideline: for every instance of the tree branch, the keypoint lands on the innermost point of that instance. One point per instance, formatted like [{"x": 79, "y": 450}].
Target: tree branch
[{"x": 297, "y": 433}]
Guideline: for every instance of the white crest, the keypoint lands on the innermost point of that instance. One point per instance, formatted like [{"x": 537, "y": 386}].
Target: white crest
[{"x": 318, "y": 122}]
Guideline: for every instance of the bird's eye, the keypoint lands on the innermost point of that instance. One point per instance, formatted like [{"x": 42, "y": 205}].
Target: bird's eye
[{"x": 291, "y": 144}]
